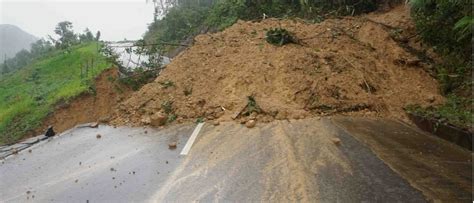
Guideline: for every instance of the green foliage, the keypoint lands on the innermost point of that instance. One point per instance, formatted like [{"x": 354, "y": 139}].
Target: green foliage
[
  {"x": 225, "y": 13},
  {"x": 167, "y": 84},
  {"x": 172, "y": 117},
  {"x": 67, "y": 37},
  {"x": 177, "y": 25},
  {"x": 29, "y": 94},
  {"x": 44, "y": 48},
  {"x": 187, "y": 18},
  {"x": 279, "y": 37},
  {"x": 87, "y": 36},
  {"x": 447, "y": 25},
  {"x": 138, "y": 78},
  {"x": 456, "y": 111},
  {"x": 200, "y": 120},
  {"x": 167, "y": 106},
  {"x": 251, "y": 107}
]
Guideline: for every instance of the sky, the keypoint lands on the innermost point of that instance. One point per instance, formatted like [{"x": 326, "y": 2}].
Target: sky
[{"x": 116, "y": 20}]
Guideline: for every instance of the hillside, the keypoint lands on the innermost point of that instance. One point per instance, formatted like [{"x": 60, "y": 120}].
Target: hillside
[
  {"x": 13, "y": 39},
  {"x": 350, "y": 65},
  {"x": 28, "y": 95}
]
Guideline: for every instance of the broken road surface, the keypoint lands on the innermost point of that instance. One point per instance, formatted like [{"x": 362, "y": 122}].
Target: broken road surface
[{"x": 339, "y": 159}]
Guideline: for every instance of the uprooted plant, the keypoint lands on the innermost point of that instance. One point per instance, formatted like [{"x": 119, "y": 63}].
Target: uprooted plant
[{"x": 279, "y": 37}]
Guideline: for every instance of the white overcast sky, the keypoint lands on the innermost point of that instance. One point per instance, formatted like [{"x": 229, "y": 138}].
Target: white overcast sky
[{"x": 116, "y": 20}]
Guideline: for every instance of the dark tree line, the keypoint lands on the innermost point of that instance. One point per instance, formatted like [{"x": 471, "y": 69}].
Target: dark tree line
[{"x": 66, "y": 38}]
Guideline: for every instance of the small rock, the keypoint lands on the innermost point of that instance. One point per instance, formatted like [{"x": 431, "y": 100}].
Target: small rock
[
  {"x": 158, "y": 119},
  {"x": 76, "y": 181},
  {"x": 104, "y": 119},
  {"x": 216, "y": 123},
  {"x": 431, "y": 98},
  {"x": 15, "y": 151},
  {"x": 250, "y": 123},
  {"x": 29, "y": 151},
  {"x": 98, "y": 136},
  {"x": 146, "y": 120},
  {"x": 336, "y": 141},
  {"x": 94, "y": 125},
  {"x": 172, "y": 145}
]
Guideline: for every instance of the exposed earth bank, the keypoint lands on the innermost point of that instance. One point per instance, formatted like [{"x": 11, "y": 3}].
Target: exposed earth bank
[
  {"x": 351, "y": 65},
  {"x": 89, "y": 106}
]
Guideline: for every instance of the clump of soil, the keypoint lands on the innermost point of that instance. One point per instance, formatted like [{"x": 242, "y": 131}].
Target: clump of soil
[
  {"x": 89, "y": 107},
  {"x": 350, "y": 65}
]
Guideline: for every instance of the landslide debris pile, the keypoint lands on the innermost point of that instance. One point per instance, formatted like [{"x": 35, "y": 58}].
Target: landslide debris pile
[{"x": 340, "y": 66}]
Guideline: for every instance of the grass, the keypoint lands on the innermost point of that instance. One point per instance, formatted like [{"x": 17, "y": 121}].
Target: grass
[
  {"x": 456, "y": 111},
  {"x": 29, "y": 94}
]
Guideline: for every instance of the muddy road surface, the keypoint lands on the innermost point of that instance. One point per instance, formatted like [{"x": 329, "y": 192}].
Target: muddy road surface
[{"x": 311, "y": 160}]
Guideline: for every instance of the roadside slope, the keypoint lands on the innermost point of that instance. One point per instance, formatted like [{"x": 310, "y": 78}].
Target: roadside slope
[
  {"x": 28, "y": 95},
  {"x": 89, "y": 107}
]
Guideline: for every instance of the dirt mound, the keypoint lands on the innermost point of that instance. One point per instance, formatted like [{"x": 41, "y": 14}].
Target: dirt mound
[
  {"x": 350, "y": 65},
  {"x": 89, "y": 107}
]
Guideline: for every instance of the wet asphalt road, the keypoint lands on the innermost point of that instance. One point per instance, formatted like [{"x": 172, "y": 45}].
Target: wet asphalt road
[{"x": 285, "y": 161}]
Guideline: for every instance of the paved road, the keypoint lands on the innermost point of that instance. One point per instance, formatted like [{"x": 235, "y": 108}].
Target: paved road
[{"x": 278, "y": 161}]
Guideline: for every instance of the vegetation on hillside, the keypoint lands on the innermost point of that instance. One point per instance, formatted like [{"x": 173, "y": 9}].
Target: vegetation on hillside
[
  {"x": 447, "y": 26},
  {"x": 29, "y": 94},
  {"x": 43, "y": 47},
  {"x": 184, "y": 18}
]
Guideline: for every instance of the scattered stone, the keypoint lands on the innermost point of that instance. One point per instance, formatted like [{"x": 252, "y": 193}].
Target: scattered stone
[
  {"x": 94, "y": 125},
  {"x": 98, "y": 136},
  {"x": 336, "y": 141},
  {"x": 28, "y": 192},
  {"x": 172, "y": 145},
  {"x": 50, "y": 132},
  {"x": 250, "y": 123},
  {"x": 15, "y": 151},
  {"x": 29, "y": 150},
  {"x": 112, "y": 169},
  {"x": 146, "y": 120},
  {"x": 158, "y": 119},
  {"x": 104, "y": 119},
  {"x": 216, "y": 123},
  {"x": 166, "y": 162},
  {"x": 76, "y": 181},
  {"x": 146, "y": 132},
  {"x": 431, "y": 98}
]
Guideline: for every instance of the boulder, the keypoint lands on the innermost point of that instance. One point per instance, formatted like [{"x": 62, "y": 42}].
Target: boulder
[{"x": 158, "y": 119}]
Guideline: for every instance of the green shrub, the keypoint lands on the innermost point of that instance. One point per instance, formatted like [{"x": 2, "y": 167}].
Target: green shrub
[
  {"x": 279, "y": 37},
  {"x": 456, "y": 111}
]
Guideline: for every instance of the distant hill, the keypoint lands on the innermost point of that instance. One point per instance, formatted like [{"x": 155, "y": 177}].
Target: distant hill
[{"x": 13, "y": 39}]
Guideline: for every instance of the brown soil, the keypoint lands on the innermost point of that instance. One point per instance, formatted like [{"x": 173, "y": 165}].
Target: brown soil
[
  {"x": 89, "y": 107},
  {"x": 350, "y": 65}
]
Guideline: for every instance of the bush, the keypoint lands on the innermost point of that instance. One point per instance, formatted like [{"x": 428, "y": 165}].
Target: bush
[{"x": 279, "y": 37}]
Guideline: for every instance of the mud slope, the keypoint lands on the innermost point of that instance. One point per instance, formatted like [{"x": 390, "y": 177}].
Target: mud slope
[
  {"x": 341, "y": 66},
  {"x": 89, "y": 107}
]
